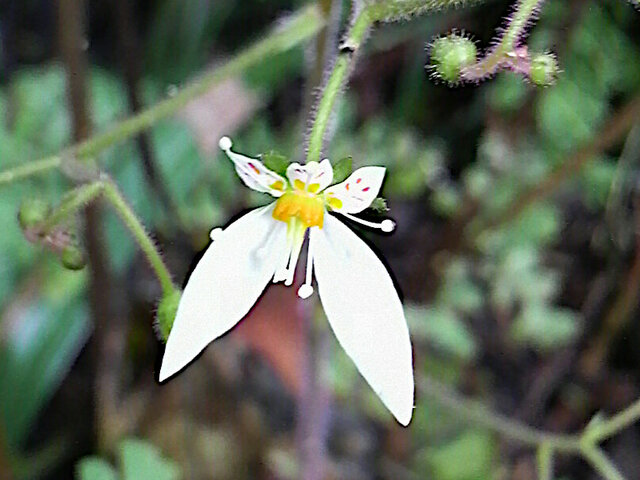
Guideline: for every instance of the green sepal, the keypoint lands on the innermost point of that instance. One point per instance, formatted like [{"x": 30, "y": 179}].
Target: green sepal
[
  {"x": 275, "y": 161},
  {"x": 342, "y": 169},
  {"x": 379, "y": 205}
]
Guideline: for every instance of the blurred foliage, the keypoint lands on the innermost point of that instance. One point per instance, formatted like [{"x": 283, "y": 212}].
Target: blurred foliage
[{"x": 137, "y": 459}]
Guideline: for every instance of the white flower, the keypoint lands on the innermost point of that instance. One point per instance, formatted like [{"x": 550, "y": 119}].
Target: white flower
[{"x": 355, "y": 289}]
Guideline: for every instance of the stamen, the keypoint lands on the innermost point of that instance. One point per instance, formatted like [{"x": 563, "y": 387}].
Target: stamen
[
  {"x": 386, "y": 225},
  {"x": 306, "y": 289}
]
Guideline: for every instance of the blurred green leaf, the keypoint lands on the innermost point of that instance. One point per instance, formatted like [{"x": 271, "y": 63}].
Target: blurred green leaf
[
  {"x": 141, "y": 460},
  {"x": 441, "y": 327},
  {"x": 94, "y": 468},
  {"x": 37, "y": 354},
  {"x": 544, "y": 327},
  {"x": 471, "y": 456}
]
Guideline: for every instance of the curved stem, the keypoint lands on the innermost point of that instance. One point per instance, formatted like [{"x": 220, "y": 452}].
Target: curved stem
[
  {"x": 524, "y": 12},
  {"x": 606, "y": 429},
  {"x": 148, "y": 247},
  {"x": 601, "y": 463},
  {"x": 300, "y": 27},
  {"x": 480, "y": 415}
]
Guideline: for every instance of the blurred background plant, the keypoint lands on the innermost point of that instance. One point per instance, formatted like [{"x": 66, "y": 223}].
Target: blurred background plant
[{"x": 516, "y": 246}]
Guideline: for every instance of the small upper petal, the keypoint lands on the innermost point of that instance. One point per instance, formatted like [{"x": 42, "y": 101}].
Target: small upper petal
[
  {"x": 312, "y": 177},
  {"x": 365, "y": 313},
  {"x": 253, "y": 172},
  {"x": 357, "y": 192},
  {"x": 225, "y": 284}
]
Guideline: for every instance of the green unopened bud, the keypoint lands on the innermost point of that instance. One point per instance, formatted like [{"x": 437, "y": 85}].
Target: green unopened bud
[
  {"x": 73, "y": 258},
  {"x": 166, "y": 313},
  {"x": 544, "y": 69},
  {"x": 33, "y": 212},
  {"x": 451, "y": 54}
]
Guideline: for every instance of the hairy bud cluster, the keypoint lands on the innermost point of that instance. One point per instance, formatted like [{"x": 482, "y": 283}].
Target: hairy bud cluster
[{"x": 60, "y": 239}]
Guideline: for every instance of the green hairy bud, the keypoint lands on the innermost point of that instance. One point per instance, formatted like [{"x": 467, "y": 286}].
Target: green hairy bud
[
  {"x": 33, "y": 212},
  {"x": 73, "y": 258},
  {"x": 544, "y": 69},
  {"x": 451, "y": 54}
]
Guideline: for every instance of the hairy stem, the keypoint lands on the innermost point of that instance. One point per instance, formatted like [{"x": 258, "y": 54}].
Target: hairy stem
[
  {"x": 144, "y": 241},
  {"x": 85, "y": 194},
  {"x": 504, "y": 52},
  {"x": 300, "y": 27}
]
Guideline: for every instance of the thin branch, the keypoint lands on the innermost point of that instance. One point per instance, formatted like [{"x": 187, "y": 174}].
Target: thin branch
[
  {"x": 601, "y": 464},
  {"x": 301, "y": 26},
  {"x": 478, "y": 414}
]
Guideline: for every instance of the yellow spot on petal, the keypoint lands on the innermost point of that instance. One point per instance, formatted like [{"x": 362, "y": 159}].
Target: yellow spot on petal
[
  {"x": 279, "y": 185},
  {"x": 335, "y": 203},
  {"x": 298, "y": 184},
  {"x": 308, "y": 209},
  {"x": 314, "y": 187}
]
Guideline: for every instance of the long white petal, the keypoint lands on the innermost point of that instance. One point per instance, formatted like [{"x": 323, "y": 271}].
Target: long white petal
[
  {"x": 224, "y": 285},
  {"x": 365, "y": 313}
]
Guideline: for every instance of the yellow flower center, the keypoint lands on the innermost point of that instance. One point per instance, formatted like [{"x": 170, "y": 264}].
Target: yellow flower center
[{"x": 304, "y": 206}]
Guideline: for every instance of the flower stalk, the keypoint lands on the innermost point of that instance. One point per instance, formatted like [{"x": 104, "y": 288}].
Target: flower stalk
[{"x": 83, "y": 195}]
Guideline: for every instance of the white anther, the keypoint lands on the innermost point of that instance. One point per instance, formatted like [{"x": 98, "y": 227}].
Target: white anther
[
  {"x": 225, "y": 143},
  {"x": 305, "y": 291},
  {"x": 215, "y": 234},
  {"x": 388, "y": 225}
]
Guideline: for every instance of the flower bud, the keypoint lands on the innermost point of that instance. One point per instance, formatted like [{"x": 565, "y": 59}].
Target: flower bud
[
  {"x": 166, "y": 313},
  {"x": 33, "y": 212},
  {"x": 451, "y": 54},
  {"x": 73, "y": 258},
  {"x": 544, "y": 69}
]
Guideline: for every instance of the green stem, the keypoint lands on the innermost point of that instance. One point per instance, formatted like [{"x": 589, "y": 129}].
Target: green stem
[
  {"x": 148, "y": 247},
  {"x": 333, "y": 87},
  {"x": 478, "y": 414},
  {"x": 72, "y": 202},
  {"x": 545, "y": 462},
  {"x": 301, "y": 26},
  {"x": 608, "y": 428},
  {"x": 85, "y": 194},
  {"x": 382, "y": 11},
  {"x": 601, "y": 463}
]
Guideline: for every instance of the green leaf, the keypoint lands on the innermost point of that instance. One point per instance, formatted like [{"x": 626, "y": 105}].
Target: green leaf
[
  {"x": 442, "y": 327},
  {"x": 469, "y": 457},
  {"x": 141, "y": 460},
  {"x": 544, "y": 327},
  {"x": 275, "y": 161},
  {"x": 342, "y": 169},
  {"x": 35, "y": 358},
  {"x": 94, "y": 468}
]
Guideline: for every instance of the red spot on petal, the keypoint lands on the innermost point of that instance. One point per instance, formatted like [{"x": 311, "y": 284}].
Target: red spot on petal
[
  {"x": 365, "y": 189},
  {"x": 347, "y": 186},
  {"x": 359, "y": 180},
  {"x": 254, "y": 168}
]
